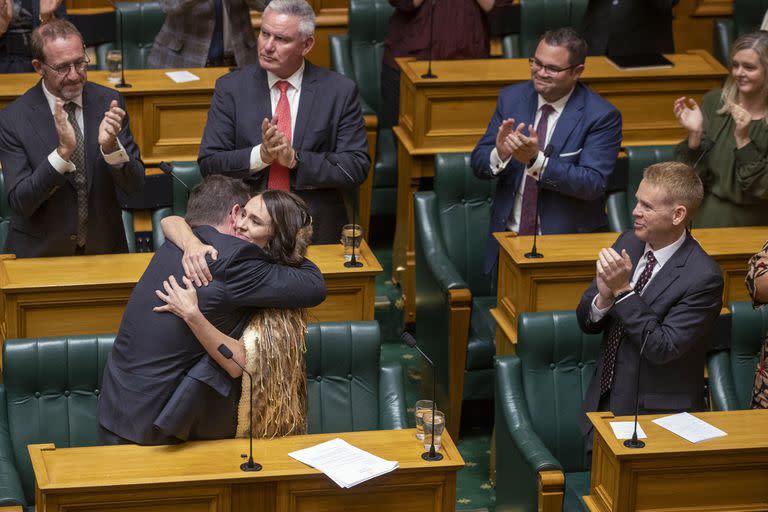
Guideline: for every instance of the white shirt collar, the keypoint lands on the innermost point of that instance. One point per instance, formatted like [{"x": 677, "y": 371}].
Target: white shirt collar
[
  {"x": 52, "y": 99},
  {"x": 294, "y": 79},
  {"x": 558, "y": 105},
  {"x": 663, "y": 254}
]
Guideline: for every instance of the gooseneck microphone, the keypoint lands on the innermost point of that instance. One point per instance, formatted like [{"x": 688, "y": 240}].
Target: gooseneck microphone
[
  {"x": 409, "y": 340},
  {"x": 250, "y": 465},
  {"x": 353, "y": 261},
  {"x": 429, "y": 73},
  {"x": 123, "y": 84},
  {"x": 534, "y": 254},
  {"x": 168, "y": 169},
  {"x": 635, "y": 442}
]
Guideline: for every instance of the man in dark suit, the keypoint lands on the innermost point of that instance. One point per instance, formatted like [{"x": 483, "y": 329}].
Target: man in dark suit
[
  {"x": 582, "y": 131},
  {"x": 289, "y": 124},
  {"x": 65, "y": 148},
  {"x": 628, "y": 27},
  {"x": 154, "y": 352},
  {"x": 656, "y": 297}
]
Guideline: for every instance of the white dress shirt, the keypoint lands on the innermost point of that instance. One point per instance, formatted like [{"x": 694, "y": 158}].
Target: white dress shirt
[
  {"x": 294, "y": 94},
  {"x": 497, "y": 165},
  {"x": 115, "y": 159},
  {"x": 662, "y": 256}
]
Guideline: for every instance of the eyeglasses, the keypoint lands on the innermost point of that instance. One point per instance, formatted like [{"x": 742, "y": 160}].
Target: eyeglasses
[
  {"x": 536, "y": 65},
  {"x": 63, "y": 69}
]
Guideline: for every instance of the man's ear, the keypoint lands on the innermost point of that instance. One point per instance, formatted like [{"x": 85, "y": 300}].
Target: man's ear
[
  {"x": 679, "y": 215},
  {"x": 308, "y": 44},
  {"x": 234, "y": 214},
  {"x": 38, "y": 66}
]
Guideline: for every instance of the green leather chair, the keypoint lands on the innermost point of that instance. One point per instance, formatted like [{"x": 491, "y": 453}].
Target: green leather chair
[
  {"x": 141, "y": 22},
  {"x": 747, "y": 16},
  {"x": 538, "y": 16},
  {"x": 539, "y": 392},
  {"x": 453, "y": 294},
  {"x": 619, "y": 205},
  {"x": 358, "y": 55},
  {"x": 51, "y": 388},
  {"x": 189, "y": 173},
  {"x": 732, "y": 372}
]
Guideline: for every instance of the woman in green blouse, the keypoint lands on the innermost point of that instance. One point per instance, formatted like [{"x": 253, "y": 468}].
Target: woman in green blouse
[{"x": 728, "y": 140}]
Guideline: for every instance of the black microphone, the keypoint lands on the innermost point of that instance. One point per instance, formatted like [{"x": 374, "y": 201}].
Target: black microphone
[
  {"x": 353, "y": 262},
  {"x": 534, "y": 254},
  {"x": 635, "y": 442},
  {"x": 409, "y": 340},
  {"x": 168, "y": 169},
  {"x": 123, "y": 84},
  {"x": 429, "y": 73},
  {"x": 250, "y": 465}
]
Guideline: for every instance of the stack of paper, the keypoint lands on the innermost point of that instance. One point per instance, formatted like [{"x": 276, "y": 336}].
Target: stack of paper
[
  {"x": 689, "y": 427},
  {"x": 343, "y": 463}
]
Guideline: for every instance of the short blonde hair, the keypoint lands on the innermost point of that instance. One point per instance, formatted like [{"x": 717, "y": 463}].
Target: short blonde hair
[{"x": 680, "y": 183}]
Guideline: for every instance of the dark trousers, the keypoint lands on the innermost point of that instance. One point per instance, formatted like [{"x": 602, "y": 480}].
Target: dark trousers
[
  {"x": 602, "y": 405},
  {"x": 390, "y": 97}
]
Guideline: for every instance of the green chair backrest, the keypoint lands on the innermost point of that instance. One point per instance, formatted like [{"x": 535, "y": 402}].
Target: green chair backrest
[
  {"x": 557, "y": 361},
  {"x": 52, "y": 387},
  {"x": 343, "y": 376},
  {"x": 464, "y": 212},
  {"x": 538, "y": 16},
  {"x": 141, "y": 22},
  {"x": 748, "y": 14},
  {"x": 748, "y": 330},
  {"x": 189, "y": 173}
]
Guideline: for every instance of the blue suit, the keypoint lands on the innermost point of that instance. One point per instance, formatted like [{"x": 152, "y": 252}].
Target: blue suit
[{"x": 585, "y": 145}]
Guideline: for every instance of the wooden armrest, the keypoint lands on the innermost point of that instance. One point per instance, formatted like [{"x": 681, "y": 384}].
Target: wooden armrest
[{"x": 551, "y": 490}]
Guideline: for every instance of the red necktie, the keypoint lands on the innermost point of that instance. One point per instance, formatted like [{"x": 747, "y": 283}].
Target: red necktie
[
  {"x": 531, "y": 190},
  {"x": 279, "y": 175}
]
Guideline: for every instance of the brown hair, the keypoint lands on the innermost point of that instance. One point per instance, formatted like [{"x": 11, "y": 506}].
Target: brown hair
[
  {"x": 291, "y": 226},
  {"x": 570, "y": 40},
  {"x": 680, "y": 183},
  {"x": 54, "y": 29},
  {"x": 211, "y": 200}
]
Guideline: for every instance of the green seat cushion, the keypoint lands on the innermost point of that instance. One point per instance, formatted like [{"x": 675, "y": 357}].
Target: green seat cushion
[
  {"x": 482, "y": 329},
  {"x": 576, "y": 486}
]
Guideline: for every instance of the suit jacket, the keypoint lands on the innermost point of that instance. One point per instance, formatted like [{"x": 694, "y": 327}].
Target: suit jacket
[
  {"x": 185, "y": 37},
  {"x": 629, "y": 27},
  {"x": 677, "y": 311},
  {"x": 154, "y": 352},
  {"x": 43, "y": 202},
  {"x": 585, "y": 145},
  {"x": 329, "y": 136}
]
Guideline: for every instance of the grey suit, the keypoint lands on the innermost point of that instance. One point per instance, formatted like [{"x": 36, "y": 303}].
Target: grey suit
[{"x": 677, "y": 311}]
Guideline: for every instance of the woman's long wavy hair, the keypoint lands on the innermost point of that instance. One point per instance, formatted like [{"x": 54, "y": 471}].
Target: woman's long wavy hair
[
  {"x": 291, "y": 226},
  {"x": 757, "y": 41}
]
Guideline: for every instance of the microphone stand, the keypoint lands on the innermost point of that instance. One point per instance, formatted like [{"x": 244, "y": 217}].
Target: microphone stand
[
  {"x": 353, "y": 262},
  {"x": 168, "y": 169},
  {"x": 431, "y": 455},
  {"x": 429, "y": 73},
  {"x": 250, "y": 465},
  {"x": 123, "y": 84},
  {"x": 635, "y": 442},
  {"x": 534, "y": 254}
]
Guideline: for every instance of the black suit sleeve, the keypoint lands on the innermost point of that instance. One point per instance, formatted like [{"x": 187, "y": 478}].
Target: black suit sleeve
[{"x": 129, "y": 177}]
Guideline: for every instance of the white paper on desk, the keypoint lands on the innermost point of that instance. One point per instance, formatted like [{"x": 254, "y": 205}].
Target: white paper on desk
[
  {"x": 689, "y": 427},
  {"x": 343, "y": 463},
  {"x": 625, "y": 429},
  {"x": 181, "y": 77}
]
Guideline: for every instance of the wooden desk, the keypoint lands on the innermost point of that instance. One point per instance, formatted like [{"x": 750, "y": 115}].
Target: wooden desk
[
  {"x": 670, "y": 473},
  {"x": 167, "y": 119},
  {"x": 87, "y": 294},
  {"x": 451, "y": 113},
  {"x": 558, "y": 280},
  {"x": 206, "y": 476}
]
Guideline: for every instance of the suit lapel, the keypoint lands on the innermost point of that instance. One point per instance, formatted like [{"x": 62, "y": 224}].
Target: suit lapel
[
  {"x": 41, "y": 118},
  {"x": 262, "y": 92},
  {"x": 306, "y": 102},
  {"x": 93, "y": 114},
  {"x": 572, "y": 114},
  {"x": 669, "y": 272}
]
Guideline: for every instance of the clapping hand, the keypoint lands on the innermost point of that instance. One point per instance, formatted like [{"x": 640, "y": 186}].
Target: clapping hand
[
  {"x": 110, "y": 127},
  {"x": 276, "y": 144},
  {"x": 742, "y": 118},
  {"x": 47, "y": 8},
  {"x": 615, "y": 271},
  {"x": 689, "y": 114},
  {"x": 6, "y": 15},
  {"x": 65, "y": 130}
]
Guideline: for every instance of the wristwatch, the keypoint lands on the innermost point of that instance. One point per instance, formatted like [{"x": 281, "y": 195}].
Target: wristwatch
[{"x": 297, "y": 158}]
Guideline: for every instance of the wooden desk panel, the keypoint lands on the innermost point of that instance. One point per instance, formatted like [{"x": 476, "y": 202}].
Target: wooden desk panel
[
  {"x": 87, "y": 294},
  {"x": 451, "y": 113},
  {"x": 205, "y": 476}
]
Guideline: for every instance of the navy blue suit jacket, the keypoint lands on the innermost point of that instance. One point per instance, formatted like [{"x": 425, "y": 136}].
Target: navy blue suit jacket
[
  {"x": 677, "y": 311},
  {"x": 585, "y": 145},
  {"x": 44, "y": 202},
  {"x": 329, "y": 137},
  {"x": 154, "y": 352}
]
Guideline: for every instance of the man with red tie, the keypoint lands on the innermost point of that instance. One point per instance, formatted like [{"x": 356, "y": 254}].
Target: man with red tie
[{"x": 288, "y": 124}]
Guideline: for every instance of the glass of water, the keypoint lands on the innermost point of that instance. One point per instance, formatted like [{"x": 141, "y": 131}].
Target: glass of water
[
  {"x": 114, "y": 66},
  {"x": 439, "y": 426},
  {"x": 422, "y": 406}
]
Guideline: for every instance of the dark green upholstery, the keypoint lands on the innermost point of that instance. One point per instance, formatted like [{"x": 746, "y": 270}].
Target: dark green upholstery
[
  {"x": 619, "y": 205},
  {"x": 5, "y": 213},
  {"x": 189, "y": 173},
  {"x": 349, "y": 390},
  {"x": 141, "y": 23},
  {"x": 732, "y": 372},
  {"x": 747, "y": 16},
  {"x": 358, "y": 55},
  {"x": 538, "y": 401},
  {"x": 538, "y": 16},
  {"x": 451, "y": 231},
  {"x": 51, "y": 388}
]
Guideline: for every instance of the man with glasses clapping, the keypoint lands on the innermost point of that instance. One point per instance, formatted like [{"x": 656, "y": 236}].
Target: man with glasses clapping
[
  {"x": 66, "y": 149},
  {"x": 580, "y": 132}
]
